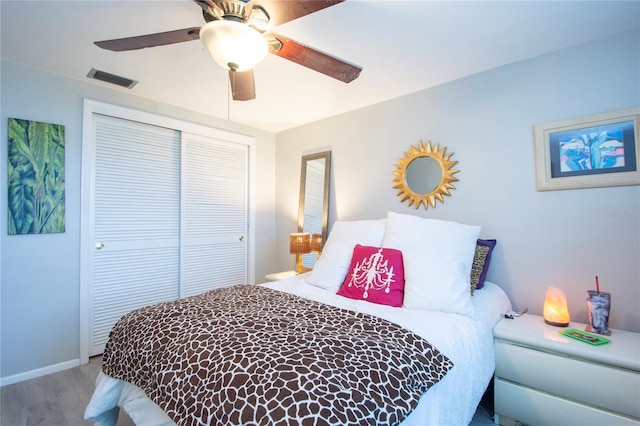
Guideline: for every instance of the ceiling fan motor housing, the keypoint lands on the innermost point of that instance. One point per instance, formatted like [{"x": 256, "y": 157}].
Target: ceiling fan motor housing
[
  {"x": 223, "y": 9},
  {"x": 234, "y": 10}
]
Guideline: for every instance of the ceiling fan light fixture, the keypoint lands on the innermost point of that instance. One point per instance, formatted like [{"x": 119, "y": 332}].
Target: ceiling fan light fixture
[{"x": 234, "y": 45}]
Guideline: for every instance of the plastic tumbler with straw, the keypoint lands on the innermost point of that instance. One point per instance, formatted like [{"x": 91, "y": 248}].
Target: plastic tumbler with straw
[{"x": 598, "y": 307}]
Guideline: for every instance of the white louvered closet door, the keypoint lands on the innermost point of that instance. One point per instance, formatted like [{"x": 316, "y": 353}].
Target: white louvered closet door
[
  {"x": 136, "y": 221},
  {"x": 214, "y": 226}
]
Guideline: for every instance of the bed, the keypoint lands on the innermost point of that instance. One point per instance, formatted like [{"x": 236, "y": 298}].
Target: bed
[{"x": 428, "y": 344}]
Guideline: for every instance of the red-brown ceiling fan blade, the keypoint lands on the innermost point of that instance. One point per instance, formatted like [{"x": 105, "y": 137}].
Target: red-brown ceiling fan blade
[
  {"x": 315, "y": 59},
  {"x": 150, "y": 40},
  {"x": 281, "y": 11},
  {"x": 243, "y": 87}
]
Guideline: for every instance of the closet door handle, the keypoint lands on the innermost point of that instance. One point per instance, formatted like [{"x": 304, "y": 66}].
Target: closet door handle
[
  {"x": 241, "y": 238},
  {"x": 99, "y": 246}
]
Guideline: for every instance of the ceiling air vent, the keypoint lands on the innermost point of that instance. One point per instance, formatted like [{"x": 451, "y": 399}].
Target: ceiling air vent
[{"x": 111, "y": 78}]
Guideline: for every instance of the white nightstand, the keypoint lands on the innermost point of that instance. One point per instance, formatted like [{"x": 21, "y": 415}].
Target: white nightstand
[
  {"x": 280, "y": 275},
  {"x": 543, "y": 377}
]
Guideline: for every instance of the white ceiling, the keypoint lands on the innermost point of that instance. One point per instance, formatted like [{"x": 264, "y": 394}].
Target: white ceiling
[{"x": 403, "y": 47}]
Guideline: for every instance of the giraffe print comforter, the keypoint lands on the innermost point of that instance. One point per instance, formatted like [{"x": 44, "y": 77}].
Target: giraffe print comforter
[{"x": 251, "y": 355}]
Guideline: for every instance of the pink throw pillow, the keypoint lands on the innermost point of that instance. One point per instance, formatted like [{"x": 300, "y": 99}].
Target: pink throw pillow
[{"x": 375, "y": 275}]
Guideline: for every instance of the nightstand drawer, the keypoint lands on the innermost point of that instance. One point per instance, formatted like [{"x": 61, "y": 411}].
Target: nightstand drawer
[
  {"x": 594, "y": 384},
  {"x": 538, "y": 408}
]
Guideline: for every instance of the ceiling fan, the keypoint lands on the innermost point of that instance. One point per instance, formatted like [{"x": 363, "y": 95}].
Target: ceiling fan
[{"x": 238, "y": 35}]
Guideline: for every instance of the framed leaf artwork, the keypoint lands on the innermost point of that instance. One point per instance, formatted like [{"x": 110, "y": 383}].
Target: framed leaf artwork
[{"x": 36, "y": 177}]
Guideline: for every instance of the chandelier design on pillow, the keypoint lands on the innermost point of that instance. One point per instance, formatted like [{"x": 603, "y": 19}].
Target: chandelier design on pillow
[{"x": 372, "y": 273}]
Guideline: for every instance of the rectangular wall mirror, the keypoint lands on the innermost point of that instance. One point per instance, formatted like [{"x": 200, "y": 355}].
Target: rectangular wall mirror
[{"x": 314, "y": 199}]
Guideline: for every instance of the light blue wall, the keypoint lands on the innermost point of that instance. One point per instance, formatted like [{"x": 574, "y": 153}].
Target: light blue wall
[
  {"x": 559, "y": 238},
  {"x": 40, "y": 276}
]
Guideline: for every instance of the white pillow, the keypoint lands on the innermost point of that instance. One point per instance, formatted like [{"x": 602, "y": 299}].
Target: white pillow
[
  {"x": 437, "y": 256},
  {"x": 332, "y": 267}
]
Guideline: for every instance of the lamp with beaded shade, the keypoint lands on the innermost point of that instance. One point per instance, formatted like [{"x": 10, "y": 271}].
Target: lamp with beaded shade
[
  {"x": 316, "y": 243},
  {"x": 299, "y": 244}
]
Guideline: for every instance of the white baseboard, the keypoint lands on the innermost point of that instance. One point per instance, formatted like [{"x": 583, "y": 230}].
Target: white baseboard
[{"x": 39, "y": 372}]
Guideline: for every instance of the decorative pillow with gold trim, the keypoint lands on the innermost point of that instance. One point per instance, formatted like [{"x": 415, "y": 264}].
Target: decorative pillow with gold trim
[{"x": 481, "y": 261}]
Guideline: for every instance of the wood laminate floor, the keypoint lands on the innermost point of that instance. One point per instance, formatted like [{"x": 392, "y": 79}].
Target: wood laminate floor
[
  {"x": 54, "y": 400},
  {"x": 60, "y": 400}
]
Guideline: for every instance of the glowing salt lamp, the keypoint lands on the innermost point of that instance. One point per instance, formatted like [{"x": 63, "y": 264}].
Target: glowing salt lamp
[{"x": 555, "y": 307}]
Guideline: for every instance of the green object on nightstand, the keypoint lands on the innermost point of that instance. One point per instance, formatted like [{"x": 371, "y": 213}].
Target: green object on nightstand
[{"x": 583, "y": 336}]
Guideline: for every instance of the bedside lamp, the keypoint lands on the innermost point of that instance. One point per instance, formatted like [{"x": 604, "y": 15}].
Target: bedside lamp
[
  {"x": 555, "y": 308},
  {"x": 316, "y": 243},
  {"x": 299, "y": 244}
]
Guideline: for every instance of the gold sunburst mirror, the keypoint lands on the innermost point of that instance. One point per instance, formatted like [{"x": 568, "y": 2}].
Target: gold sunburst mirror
[{"x": 424, "y": 175}]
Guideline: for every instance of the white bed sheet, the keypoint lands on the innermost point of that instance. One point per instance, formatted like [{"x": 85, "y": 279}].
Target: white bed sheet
[{"x": 467, "y": 341}]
